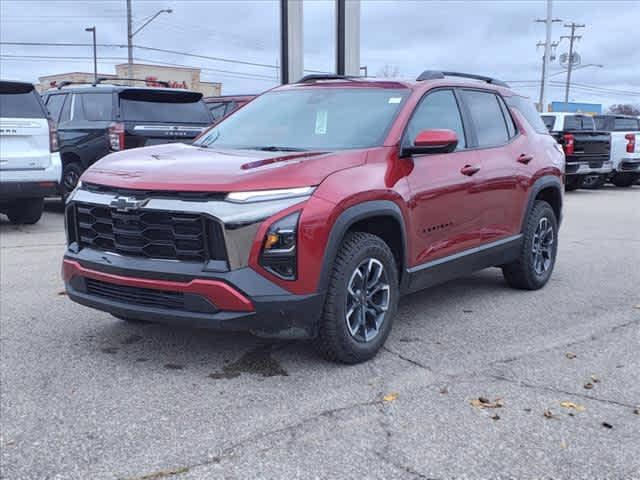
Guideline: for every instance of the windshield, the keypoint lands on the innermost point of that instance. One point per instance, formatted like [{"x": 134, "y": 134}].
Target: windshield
[{"x": 310, "y": 119}]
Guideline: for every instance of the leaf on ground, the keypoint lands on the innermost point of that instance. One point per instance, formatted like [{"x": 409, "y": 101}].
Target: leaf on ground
[
  {"x": 588, "y": 385},
  {"x": 444, "y": 390},
  {"x": 607, "y": 425},
  {"x": 495, "y": 417},
  {"x": 549, "y": 414},
  {"x": 62, "y": 292},
  {"x": 390, "y": 397},
  {"x": 482, "y": 402},
  {"x": 573, "y": 406},
  {"x": 563, "y": 445},
  {"x": 570, "y": 355},
  {"x": 595, "y": 379}
]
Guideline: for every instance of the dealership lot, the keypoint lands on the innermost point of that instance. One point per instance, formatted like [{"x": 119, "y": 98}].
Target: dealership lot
[{"x": 87, "y": 396}]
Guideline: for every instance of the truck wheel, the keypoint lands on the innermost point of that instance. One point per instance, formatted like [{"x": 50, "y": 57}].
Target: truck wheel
[
  {"x": 533, "y": 268},
  {"x": 593, "y": 182},
  {"x": 361, "y": 300},
  {"x": 70, "y": 175},
  {"x": 26, "y": 211},
  {"x": 623, "y": 179},
  {"x": 572, "y": 183}
]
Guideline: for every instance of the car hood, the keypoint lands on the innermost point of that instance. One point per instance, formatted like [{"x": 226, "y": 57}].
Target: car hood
[{"x": 179, "y": 167}]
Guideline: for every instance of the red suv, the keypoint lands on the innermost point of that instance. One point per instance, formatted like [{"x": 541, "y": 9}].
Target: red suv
[{"x": 313, "y": 209}]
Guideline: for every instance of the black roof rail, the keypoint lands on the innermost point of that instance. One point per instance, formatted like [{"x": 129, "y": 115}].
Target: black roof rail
[
  {"x": 66, "y": 83},
  {"x": 435, "y": 75},
  {"x": 107, "y": 79},
  {"x": 325, "y": 76}
]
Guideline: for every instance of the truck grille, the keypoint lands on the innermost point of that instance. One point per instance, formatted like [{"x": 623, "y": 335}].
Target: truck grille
[
  {"x": 150, "y": 234},
  {"x": 135, "y": 295}
]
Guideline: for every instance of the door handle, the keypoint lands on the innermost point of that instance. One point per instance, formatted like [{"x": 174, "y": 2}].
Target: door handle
[
  {"x": 469, "y": 170},
  {"x": 524, "y": 158}
]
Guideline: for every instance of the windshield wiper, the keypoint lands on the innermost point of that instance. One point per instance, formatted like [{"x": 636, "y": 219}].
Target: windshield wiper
[{"x": 274, "y": 148}]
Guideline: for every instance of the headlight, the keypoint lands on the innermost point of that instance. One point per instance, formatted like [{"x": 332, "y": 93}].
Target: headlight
[
  {"x": 266, "y": 195},
  {"x": 279, "y": 255}
]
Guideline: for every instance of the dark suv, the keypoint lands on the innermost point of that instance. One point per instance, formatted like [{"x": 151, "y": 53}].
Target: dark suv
[
  {"x": 94, "y": 120},
  {"x": 311, "y": 210}
]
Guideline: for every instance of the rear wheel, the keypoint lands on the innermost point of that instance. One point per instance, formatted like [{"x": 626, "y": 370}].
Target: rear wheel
[
  {"x": 572, "y": 183},
  {"x": 533, "y": 268},
  {"x": 361, "y": 300},
  {"x": 70, "y": 175},
  {"x": 25, "y": 211},
  {"x": 624, "y": 179}
]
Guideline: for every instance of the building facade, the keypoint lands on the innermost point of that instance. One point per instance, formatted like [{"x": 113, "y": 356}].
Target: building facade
[{"x": 150, "y": 75}]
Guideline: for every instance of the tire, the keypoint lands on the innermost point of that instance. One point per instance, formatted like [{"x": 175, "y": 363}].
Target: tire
[
  {"x": 70, "y": 175},
  {"x": 593, "y": 182},
  {"x": 572, "y": 183},
  {"x": 624, "y": 179},
  {"x": 534, "y": 266},
  {"x": 25, "y": 211},
  {"x": 342, "y": 336}
]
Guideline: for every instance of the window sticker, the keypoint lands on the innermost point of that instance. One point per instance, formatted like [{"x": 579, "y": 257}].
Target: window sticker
[
  {"x": 321, "y": 122},
  {"x": 395, "y": 99}
]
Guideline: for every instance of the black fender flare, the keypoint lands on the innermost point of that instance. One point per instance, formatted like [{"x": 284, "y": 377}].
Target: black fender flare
[
  {"x": 66, "y": 152},
  {"x": 539, "y": 185},
  {"x": 352, "y": 215}
]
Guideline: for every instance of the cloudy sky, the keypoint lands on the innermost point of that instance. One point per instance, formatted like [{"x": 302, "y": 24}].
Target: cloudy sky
[{"x": 491, "y": 37}]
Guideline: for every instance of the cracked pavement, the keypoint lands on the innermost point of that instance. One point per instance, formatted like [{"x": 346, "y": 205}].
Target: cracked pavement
[{"x": 84, "y": 395}]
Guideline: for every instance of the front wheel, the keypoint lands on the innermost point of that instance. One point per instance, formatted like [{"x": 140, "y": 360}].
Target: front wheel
[
  {"x": 534, "y": 266},
  {"x": 361, "y": 300},
  {"x": 71, "y": 173},
  {"x": 25, "y": 211}
]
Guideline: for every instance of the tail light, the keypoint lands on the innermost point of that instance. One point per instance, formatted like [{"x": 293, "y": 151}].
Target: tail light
[
  {"x": 631, "y": 142},
  {"x": 116, "y": 136},
  {"x": 53, "y": 136},
  {"x": 568, "y": 144}
]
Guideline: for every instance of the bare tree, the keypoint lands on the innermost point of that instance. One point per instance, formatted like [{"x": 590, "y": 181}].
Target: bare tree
[
  {"x": 625, "y": 109},
  {"x": 388, "y": 71}
]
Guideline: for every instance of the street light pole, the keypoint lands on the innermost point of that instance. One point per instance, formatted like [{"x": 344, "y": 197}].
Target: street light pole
[
  {"x": 95, "y": 53},
  {"x": 131, "y": 33}
]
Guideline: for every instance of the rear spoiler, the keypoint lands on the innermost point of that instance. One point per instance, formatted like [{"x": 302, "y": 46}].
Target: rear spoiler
[
  {"x": 164, "y": 96},
  {"x": 16, "y": 87}
]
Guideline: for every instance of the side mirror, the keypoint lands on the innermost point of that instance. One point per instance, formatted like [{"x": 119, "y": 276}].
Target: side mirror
[{"x": 432, "y": 141}]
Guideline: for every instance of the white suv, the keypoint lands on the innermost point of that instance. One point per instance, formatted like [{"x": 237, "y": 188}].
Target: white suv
[{"x": 30, "y": 166}]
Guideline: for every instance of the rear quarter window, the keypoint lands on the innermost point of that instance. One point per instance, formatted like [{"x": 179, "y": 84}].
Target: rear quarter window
[
  {"x": 20, "y": 101},
  {"x": 94, "y": 107},
  {"x": 528, "y": 111}
]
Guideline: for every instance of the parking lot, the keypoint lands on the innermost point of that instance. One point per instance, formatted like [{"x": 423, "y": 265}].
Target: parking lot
[{"x": 86, "y": 396}]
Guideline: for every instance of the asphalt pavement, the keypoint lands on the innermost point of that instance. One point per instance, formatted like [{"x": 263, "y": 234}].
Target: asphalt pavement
[{"x": 476, "y": 380}]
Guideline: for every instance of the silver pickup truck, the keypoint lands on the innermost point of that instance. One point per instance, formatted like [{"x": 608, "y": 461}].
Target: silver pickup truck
[{"x": 625, "y": 147}]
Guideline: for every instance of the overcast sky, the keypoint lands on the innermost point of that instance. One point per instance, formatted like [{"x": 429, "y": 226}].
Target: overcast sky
[{"x": 496, "y": 38}]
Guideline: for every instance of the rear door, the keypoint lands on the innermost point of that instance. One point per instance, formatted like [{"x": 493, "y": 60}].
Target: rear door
[
  {"x": 24, "y": 128},
  {"x": 154, "y": 117}
]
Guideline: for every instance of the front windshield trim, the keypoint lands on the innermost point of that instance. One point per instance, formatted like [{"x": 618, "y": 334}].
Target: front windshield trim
[{"x": 209, "y": 139}]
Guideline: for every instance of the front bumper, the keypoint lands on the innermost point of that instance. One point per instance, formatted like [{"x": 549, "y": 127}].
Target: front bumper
[
  {"x": 588, "y": 168},
  {"x": 239, "y": 300}
]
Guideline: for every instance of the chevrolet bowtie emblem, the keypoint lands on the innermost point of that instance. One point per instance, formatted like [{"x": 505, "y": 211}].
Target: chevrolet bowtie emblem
[{"x": 126, "y": 204}]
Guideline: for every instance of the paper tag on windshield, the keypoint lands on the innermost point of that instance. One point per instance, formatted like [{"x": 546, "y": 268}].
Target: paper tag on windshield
[
  {"x": 395, "y": 99},
  {"x": 321, "y": 122}
]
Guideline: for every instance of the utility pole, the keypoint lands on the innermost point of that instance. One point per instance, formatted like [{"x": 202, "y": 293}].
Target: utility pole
[
  {"x": 547, "y": 52},
  {"x": 129, "y": 41},
  {"x": 95, "y": 53},
  {"x": 572, "y": 38}
]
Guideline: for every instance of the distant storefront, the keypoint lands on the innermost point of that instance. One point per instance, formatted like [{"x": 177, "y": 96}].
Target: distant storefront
[{"x": 150, "y": 75}]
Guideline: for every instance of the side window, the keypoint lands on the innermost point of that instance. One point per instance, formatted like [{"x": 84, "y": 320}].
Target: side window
[
  {"x": 511, "y": 127},
  {"x": 65, "y": 115},
  {"x": 549, "y": 121},
  {"x": 231, "y": 106},
  {"x": 217, "y": 110},
  {"x": 54, "y": 105},
  {"x": 487, "y": 118},
  {"x": 528, "y": 111},
  {"x": 96, "y": 107},
  {"x": 437, "y": 110}
]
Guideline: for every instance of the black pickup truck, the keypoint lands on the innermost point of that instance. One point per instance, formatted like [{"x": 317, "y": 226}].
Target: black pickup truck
[
  {"x": 586, "y": 149},
  {"x": 94, "y": 120}
]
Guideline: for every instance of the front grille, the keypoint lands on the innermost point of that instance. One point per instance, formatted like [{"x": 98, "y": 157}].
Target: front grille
[
  {"x": 150, "y": 234},
  {"x": 135, "y": 295}
]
